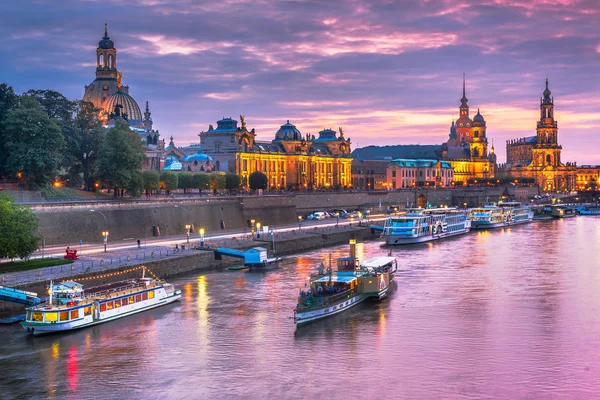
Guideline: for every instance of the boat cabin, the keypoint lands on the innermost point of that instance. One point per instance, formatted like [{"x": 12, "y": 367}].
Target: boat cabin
[{"x": 67, "y": 292}]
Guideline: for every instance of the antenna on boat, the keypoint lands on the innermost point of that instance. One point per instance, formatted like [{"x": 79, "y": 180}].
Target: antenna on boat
[
  {"x": 143, "y": 271},
  {"x": 50, "y": 292}
]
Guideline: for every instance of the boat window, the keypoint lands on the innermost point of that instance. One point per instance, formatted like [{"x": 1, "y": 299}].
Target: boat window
[
  {"x": 138, "y": 298},
  {"x": 117, "y": 303},
  {"x": 28, "y": 317},
  {"x": 51, "y": 317},
  {"x": 109, "y": 305},
  {"x": 75, "y": 314},
  {"x": 87, "y": 311},
  {"x": 64, "y": 315},
  {"x": 151, "y": 294},
  {"x": 131, "y": 300},
  {"x": 102, "y": 307},
  {"x": 38, "y": 316},
  {"x": 145, "y": 296}
]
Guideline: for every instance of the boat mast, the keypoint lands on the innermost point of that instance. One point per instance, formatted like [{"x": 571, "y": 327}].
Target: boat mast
[{"x": 50, "y": 293}]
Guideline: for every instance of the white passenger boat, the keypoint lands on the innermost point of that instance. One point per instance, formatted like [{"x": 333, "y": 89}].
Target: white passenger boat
[
  {"x": 331, "y": 293},
  {"x": 516, "y": 213},
  {"x": 70, "y": 308},
  {"x": 423, "y": 225},
  {"x": 487, "y": 217},
  {"x": 563, "y": 211}
]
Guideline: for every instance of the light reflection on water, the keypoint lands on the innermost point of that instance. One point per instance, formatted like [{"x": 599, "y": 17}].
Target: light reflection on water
[{"x": 510, "y": 313}]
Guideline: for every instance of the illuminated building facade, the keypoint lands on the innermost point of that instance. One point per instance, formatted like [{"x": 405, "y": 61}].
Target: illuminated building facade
[
  {"x": 369, "y": 174},
  {"x": 587, "y": 177},
  {"x": 538, "y": 156},
  {"x": 290, "y": 161},
  {"x": 407, "y": 173}
]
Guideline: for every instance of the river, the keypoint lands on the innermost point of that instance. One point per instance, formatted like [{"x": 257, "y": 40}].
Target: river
[{"x": 511, "y": 313}]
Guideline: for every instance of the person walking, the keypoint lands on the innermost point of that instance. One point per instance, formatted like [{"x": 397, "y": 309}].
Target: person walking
[{"x": 139, "y": 244}]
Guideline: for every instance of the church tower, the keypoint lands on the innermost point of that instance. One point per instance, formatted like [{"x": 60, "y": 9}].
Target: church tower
[
  {"x": 464, "y": 123},
  {"x": 106, "y": 57},
  {"x": 546, "y": 151}
]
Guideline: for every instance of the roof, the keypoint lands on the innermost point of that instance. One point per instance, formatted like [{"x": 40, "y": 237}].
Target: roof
[
  {"x": 174, "y": 166},
  {"x": 377, "y": 262},
  {"x": 337, "y": 278},
  {"x": 430, "y": 151},
  {"x": 130, "y": 106},
  {"x": 68, "y": 285}
]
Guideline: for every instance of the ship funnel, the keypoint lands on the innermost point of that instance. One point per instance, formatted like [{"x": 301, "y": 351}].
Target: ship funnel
[{"x": 352, "y": 248}]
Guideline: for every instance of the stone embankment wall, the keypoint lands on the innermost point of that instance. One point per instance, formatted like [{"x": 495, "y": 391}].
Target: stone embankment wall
[{"x": 69, "y": 223}]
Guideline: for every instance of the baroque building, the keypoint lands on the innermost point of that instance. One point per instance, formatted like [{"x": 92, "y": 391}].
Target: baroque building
[
  {"x": 111, "y": 97},
  {"x": 466, "y": 149},
  {"x": 539, "y": 156},
  {"x": 291, "y": 160}
]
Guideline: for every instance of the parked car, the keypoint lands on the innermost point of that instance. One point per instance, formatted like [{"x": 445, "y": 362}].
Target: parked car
[
  {"x": 342, "y": 213},
  {"x": 317, "y": 216}
]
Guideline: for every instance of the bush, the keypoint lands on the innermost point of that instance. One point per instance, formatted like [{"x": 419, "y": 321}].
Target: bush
[{"x": 258, "y": 180}]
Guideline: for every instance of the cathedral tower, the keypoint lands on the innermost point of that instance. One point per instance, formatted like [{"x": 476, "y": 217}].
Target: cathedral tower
[
  {"x": 464, "y": 124},
  {"x": 546, "y": 151},
  {"x": 106, "y": 57}
]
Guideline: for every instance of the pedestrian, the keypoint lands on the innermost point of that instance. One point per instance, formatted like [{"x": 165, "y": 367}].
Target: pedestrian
[
  {"x": 139, "y": 244},
  {"x": 176, "y": 247}
]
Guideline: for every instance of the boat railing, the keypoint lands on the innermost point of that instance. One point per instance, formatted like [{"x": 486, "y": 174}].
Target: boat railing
[
  {"x": 130, "y": 288},
  {"x": 312, "y": 299}
]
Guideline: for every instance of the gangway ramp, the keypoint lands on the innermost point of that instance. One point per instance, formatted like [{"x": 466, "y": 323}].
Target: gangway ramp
[
  {"x": 19, "y": 296},
  {"x": 223, "y": 251}
]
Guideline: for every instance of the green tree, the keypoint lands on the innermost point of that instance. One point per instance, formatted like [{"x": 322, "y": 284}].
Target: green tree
[
  {"x": 185, "y": 181},
  {"x": 84, "y": 139},
  {"x": 56, "y": 105},
  {"x": 168, "y": 181},
  {"x": 217, "y": 181},
  {"x": 151, "y": 181},
  {"x": 34, "y": 142},
  {"x": 136, "y": 185},
  {"x": 120, "y": 157},
  {"x": 258, "y": 180},
  {"x": 232, "y": 181},
  {"x": 8, "y": 101},
  {"x": 18, "y": 225},
  {"x": 201, "y": 181}
]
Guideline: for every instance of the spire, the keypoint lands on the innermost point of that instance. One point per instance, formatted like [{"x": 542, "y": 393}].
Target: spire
[
  {"x": 464, "y": 99},
  {"x": 147, "y": 109},
  {"x": 106, "y": 31}
]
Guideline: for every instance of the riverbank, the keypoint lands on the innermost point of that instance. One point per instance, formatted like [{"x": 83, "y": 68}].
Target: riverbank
[{"x": 165, "y": 262}]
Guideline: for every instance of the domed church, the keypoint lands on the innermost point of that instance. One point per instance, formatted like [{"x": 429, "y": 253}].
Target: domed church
[{"x": 108, "y": 94}]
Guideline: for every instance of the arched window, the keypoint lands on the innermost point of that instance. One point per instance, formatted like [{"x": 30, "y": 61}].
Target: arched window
[
  {"x": 101, "y": 60},
  {"x": 476, "y": 134},
  {"x": 218, "y": 165},
  {"x": 548, "y": 159},
  {"x": 111, "y": 61}
]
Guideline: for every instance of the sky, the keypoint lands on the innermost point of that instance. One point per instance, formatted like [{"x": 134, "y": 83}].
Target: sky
[{"x": 387, "y": 72}]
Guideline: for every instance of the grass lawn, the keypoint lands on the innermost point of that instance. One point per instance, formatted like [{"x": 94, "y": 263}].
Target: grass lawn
[{"x": 15, "y": 266}]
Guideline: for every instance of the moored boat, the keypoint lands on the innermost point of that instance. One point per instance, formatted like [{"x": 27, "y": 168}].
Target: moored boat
[
  {"x": 487, "y": 217},
  {"x": 69, "y": 308},
  {"x": 563, "y": 212},
  {"x": 330, "y": 293},
  {"x": 588, "y": 210},
  {"x": 516, "y": 213},
  {"x": 424, "y": 225}
]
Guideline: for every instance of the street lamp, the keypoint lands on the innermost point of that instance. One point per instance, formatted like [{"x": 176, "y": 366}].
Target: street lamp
[
  {"x": 96, "y": 186},
  {"x": 252, "y": 222},
  {"x": 258, "y": 230},
  {"x": 105, "y": 235},
  {"x": 299, "y": 222},
  {"x": 201, "y": 232},
  {"x": 105, "y": 231},
  {"x": 187, "y": 232}
]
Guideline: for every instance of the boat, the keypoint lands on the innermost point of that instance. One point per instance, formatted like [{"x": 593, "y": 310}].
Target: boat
[
  {"x": 588, "y": 210},
  {"x": 542, "y": 213},
  {"x": 563, "y": 212},
  {"x": 424, "y": 225},
  {"x": 330, "y": 293},
  {"x": 487, "y": 217},
  {"x": 516, "y": 213},
  {"x": 256, "y": 260},
  {"x": 69, "y": 307}
]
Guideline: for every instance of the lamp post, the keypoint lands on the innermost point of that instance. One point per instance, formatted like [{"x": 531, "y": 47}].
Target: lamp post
[
  {"x": 96, "y": 186},
  {"x": 252, "y": 222},
  {"x": 299, "y": 222},
  {"x": 187, "y": 232},
  {"x": 105, "y": 236},
  {"x": 201, "y": 232},
  {"x": 187, "y": 226},
  {"x": 258, "y": 230},
  {"x": 105, "y": 231}
]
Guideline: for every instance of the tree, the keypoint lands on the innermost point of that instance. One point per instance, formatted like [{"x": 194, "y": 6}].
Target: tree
[
  {"x": 56, "y": 105},
  {"x": 120, "y": 157},
  {"x": 232, "y": 181},
  {"x": 34, "y": 142},
  {"x": 217, "y": 181},
  {"x": 185, "y": 181},
  {"x": 151, "y": 181},
  {"x": 84, "y": 139},
  {"x": 258, "y": 180},
  {"x": 8, "y": 101},
  {"x": 135, "y": 185},
  {"x": 18, "y": 225},
  {"x": 201, "y": 181},
  {"x": 168, "y": 181}
]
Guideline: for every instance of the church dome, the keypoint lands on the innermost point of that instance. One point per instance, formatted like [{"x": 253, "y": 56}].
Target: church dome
[
  {"x": 288, "y": 131},
  {"x": 106, "y": 43},
  {"x": 130, "y": 107},
  {"x": 478, "y": 117}
]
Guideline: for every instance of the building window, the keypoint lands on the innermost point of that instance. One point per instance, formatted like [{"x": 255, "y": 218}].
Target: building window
[{"x": 393, "y": 173}]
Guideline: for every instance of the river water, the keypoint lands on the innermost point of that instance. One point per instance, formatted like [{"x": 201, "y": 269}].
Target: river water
[{"x": 509, "y": 314}]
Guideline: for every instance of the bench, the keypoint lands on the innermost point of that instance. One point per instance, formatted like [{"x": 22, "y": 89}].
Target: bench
[{"x": 71, "y": 255}]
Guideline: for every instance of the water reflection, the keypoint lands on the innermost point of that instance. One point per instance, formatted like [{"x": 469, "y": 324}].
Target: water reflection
[{"x": 508, "y": 313}]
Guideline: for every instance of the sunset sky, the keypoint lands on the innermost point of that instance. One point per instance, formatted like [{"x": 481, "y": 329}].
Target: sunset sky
[{"x": 388, "y": 72}]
